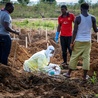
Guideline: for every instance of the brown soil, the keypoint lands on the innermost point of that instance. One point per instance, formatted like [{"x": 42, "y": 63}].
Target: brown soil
[{"x": 15, "y": 83}]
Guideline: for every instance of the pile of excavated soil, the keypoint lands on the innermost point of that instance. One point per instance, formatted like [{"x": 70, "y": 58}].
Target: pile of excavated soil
[
  {"x": 15, "y": 83},
  {"x": 25, "y": 85}
]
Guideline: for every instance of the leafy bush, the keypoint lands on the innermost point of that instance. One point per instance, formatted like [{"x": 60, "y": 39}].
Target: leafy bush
[{"x": 93, "y": 79}]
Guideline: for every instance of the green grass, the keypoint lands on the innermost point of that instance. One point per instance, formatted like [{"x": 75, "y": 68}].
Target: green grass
[
  {"x": 37, "y": 23},
  {"x": 96, "y": 95}
]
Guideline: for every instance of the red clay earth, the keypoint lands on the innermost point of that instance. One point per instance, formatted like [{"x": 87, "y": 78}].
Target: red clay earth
[{"x": 15, "y": 83}]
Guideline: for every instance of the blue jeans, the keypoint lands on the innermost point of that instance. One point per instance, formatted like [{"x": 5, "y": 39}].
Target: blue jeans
[
  {"x": 65, "y": 44},
  {"x": 5, "y": 46}
]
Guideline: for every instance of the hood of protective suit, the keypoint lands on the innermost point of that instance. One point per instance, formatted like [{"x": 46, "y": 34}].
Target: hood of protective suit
[{"x": 50, "y": 51}]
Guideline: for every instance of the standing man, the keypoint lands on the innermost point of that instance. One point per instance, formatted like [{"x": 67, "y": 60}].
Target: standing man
[
  {"x": 5, "y": 29},
  {"x": 65, "y": 31},
  {"x": 81, "y": 40}
]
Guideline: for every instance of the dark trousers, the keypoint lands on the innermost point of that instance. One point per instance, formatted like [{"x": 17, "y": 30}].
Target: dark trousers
[
  {"x": 65, "y": 44},
  {"x": 5, "y": 46}
]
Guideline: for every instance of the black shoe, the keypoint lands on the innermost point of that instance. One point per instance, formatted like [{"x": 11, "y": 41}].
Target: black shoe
[{"x": 64, "y": 65}]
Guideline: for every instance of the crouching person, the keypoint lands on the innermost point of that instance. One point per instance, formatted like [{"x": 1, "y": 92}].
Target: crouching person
[{"x": 39, "y": 61}]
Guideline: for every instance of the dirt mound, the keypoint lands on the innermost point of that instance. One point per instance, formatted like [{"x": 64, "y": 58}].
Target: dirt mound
[
  {"x": 94, "y": 59},
  {"x": 28, "y": 85},
  {"x": 9, "y": 79}
]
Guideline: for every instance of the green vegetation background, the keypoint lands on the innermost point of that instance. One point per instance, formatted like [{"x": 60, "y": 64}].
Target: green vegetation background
[{"x": 44, "y": 10}]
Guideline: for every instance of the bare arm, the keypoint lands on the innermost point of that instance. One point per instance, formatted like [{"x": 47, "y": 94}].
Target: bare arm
[
  {"x": 8, "y": 28},
  {"x": 58, "y": 28},
  {"x": 94, "y": 24},
  {"x": 76, "y": 23}
]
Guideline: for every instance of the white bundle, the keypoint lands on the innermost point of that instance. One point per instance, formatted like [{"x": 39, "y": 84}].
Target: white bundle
[{"x": 53, "y": 69}]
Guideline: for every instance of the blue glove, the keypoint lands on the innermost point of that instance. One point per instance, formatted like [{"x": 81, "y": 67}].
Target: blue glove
[
  {"x": 51, "y": 72},
  {"x": 56, "y": 36}
]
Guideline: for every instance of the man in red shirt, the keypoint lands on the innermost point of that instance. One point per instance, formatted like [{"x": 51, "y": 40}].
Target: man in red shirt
[{"x": 65, "y": 30}]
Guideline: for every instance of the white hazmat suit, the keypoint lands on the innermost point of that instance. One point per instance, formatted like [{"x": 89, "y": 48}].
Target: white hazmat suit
[{"x": 39, "y": 60}]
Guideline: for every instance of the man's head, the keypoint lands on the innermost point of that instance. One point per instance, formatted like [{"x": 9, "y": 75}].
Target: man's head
[
  {"x": 84, "y": 6},
  {"x": 63, "y": 9},
  {"x": 9, "y": 7}
]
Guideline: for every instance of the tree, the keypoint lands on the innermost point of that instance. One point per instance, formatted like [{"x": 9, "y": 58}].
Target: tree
[
  {"x": 50, "y": 1},
  {"x": 89, "y": 2},
  {"x": 5, "y": 1},
  {"x": 24, "y": 2},
  {"x": 81, "y": 1}
]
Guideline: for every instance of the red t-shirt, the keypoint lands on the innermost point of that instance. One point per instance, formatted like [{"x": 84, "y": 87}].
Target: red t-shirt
[{"x": 66, "y": 24}]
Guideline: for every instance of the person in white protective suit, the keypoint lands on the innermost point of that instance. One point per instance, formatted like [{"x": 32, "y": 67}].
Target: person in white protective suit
[{"x": 38, "y": 61}]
